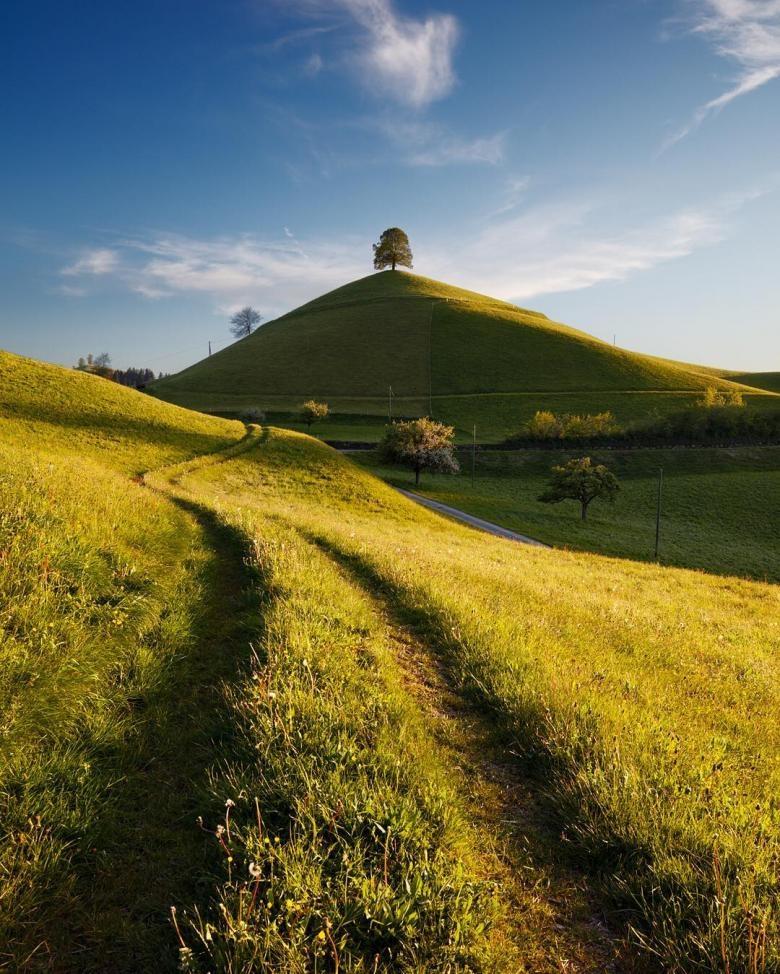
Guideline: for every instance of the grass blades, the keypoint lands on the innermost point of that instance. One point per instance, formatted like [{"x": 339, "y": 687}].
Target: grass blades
[
  {"x": 244, "y": 638},
  {"x": 654, "y": 730}
]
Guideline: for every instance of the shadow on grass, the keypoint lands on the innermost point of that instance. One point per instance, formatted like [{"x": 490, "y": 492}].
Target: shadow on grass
[
  {"x": 147, "y": 852},
  {"x": 533, "y": 814}
]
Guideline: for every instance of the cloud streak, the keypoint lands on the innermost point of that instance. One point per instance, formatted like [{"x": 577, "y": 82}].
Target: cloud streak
[
  {"x": 405, "y": 59},
  {"x": 746, "y": 32},
  {"x": 431, "y": 145},
  {"x": 548, "y": 249},
  {"x": 97, "y": 261}
]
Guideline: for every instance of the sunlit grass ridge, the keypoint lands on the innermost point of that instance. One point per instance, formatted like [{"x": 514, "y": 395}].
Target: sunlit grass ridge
[
  {"x": 220, "y": 638},
  {"x": 645, "y": 696}
]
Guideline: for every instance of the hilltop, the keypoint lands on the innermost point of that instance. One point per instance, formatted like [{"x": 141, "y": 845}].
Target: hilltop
[{"x": 454, "y": 354}]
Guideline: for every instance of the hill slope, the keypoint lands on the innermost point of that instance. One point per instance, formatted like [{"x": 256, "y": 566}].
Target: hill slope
[
  {"x": 63, "y": 410},
  {"x": 440, "y": 348},
  {"x": 269, "y": 638}
]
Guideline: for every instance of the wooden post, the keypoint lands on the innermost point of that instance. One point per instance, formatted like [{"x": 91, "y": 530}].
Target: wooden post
[{"x": 658, "y": 512}]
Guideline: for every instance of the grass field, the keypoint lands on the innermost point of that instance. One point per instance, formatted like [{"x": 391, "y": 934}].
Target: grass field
[
  {"x": 718, "y": 505},
  {"x": 461, "y": 357},
  {"x": 496, "y": 417},
  {"x": 338, "y": 733},
  {"x": 644, "y": 721}
]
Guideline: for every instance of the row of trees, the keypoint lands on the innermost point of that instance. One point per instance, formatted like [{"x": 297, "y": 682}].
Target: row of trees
[
  {"x": 546, "y": 425},
  {"x": 101, "y": 365}
]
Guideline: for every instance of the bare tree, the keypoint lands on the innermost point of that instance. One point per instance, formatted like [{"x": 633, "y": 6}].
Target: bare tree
[{"x": 243, "y": 321}]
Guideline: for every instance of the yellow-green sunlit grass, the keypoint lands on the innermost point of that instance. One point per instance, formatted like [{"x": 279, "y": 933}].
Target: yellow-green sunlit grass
[{"x": 645, "y": 697}]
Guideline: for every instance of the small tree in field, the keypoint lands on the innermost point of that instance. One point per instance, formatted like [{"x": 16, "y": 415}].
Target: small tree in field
[
  {"x": 313, "y": 412},
  {"x": 243, "y": 321},
  {"x": 393, "y": 248},
  {"x": 582, "y": 481},
  {"x": 422, "y": 444}
]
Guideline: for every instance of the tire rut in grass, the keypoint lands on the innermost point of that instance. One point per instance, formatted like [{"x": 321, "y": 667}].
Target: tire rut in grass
[
  {"x": 552, "y": 919},
  {"x": 152, "y": 855}
]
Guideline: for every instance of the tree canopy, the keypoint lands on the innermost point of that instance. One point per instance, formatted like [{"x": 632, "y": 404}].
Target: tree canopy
[
  {"x": 243, "y": 321},
  {"x": 393, "y": 248},
  {"x": 313, "y": 411},
  {"x": 580, "y": 480},
  {"x": 422, "y": 444}
]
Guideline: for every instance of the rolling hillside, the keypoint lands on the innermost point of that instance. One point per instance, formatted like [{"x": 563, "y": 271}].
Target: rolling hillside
[
  {"x": 459, "y": 356},
  {"x": 340, "y": 733}
]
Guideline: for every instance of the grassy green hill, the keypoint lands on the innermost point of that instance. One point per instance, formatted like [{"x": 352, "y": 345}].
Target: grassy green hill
[
  {"x": 459, "y": 356},
  {"x": 758, "y": 380},
  {"x": 337, "y": 732},
  {"x": 52, "y": 409}
]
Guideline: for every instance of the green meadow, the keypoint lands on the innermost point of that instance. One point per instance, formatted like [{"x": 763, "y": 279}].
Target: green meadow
[
  {"x": 243, "y": 678},
  {"x": 718, "y": 506}
]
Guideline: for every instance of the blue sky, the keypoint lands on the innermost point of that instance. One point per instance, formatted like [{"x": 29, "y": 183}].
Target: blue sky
[{"x": 614, "y": 163}]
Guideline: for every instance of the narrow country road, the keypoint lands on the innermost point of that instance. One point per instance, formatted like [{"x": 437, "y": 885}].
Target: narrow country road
[{"x": 474, "y": 522}]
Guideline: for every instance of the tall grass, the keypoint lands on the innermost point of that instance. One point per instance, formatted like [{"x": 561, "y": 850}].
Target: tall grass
[
  {"x": 641, "y": 700},
  {"x": 644, "y": 697}
]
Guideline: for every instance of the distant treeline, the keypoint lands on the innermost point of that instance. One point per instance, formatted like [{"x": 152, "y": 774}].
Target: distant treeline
[
  {"x": 101, "y": 365},
  {"x": 705, "y": 423}
]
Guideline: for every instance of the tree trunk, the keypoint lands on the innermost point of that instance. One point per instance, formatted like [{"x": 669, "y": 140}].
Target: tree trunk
[
  {"x": 393, "y": 263},
  {"x": 416, "y": 476},
  {"x": 584, "y": 509}
]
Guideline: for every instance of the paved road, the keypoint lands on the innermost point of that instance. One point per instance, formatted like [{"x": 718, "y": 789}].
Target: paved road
[{"x": 475, "y": 522}]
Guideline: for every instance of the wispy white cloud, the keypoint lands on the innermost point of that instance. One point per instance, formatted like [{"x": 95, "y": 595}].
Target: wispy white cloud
[
  {"x": 550, "y": 248},
  {"x": 72, "y": 291},
  {"x": 234, "y": 271},
  {"x": 293, "y": 38},
  {"x": 97, "y": 261},
  {"x": 313, "y": 65},
  {"x": 429, "y": 144},
  {"x": 746, "y": 32},
  {"x": 405, "y": 59},
  {"x": 565, "y": 247},
  {"x": 515, "y": 192}
]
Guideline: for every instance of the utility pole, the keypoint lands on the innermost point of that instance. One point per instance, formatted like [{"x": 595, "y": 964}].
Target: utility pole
[
  {"x": 390, "y": 404},
  {"x": 658, "y": 512},
  {"x": 473, "y": 455},
  {"x": 430, "y": 354},
  {"x": 209, "y": 348}
]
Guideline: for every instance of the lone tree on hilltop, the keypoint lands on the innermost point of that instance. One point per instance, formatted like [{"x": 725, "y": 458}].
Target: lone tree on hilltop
[
  {"x": 243, "y": 321},
  {"x": 582, "y": 481},
  {"x": 422, "y": 444},
  {"x": 313, "y": 412},
  {"x": 393, "y": 248}
]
